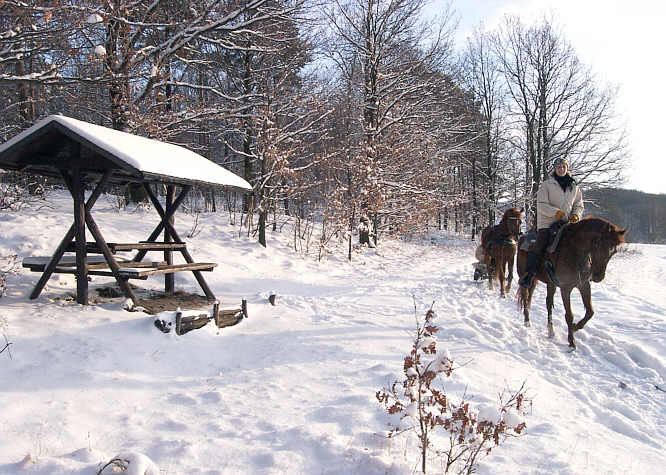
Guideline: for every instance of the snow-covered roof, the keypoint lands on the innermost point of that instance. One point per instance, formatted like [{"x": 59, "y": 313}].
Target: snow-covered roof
[{"x": 44, "y": 148}]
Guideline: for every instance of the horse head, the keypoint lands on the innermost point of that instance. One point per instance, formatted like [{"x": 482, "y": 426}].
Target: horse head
[
  {"x": 512, "y": 220},
  {"x": 604, "y": 246}
]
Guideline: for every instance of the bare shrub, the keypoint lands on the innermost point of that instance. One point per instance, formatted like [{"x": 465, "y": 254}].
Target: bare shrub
[
  {"x": 451, "y": 429},
  {"x": 628, "y": 251},
  {"x": 18, "y": 190},
  {"x": 8, "y": 265}
]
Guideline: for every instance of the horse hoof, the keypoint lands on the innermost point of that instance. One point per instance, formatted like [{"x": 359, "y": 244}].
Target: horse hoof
[
  {"x": 551, "y": 333},
  {"x": 527, "y": 324},
  {"x": 572, "y": 349}
]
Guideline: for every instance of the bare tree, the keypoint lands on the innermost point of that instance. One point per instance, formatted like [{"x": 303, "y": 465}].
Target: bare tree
[
  {"x": 559, "y": 107},
  {"x": 271, "y": 118},
  {"x": 33, "y": 51},
  {"x": 483, "y": 77},
  {"x": 392, "y": 65}
]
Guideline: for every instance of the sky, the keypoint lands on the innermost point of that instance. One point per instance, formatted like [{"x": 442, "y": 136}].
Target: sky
[
  {"x": 623, "y": 42},
  {"x": 292, "y": 388}
]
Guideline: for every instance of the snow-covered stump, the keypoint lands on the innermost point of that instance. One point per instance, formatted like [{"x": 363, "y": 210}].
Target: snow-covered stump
[
  {"x": 130, "y": 463},
  {"x": 186, "y": 323}
]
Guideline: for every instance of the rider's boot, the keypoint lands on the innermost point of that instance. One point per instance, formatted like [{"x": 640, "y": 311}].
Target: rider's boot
[
  {"x": 550, "y": 270},
  {"x": 530, "y": 269}
]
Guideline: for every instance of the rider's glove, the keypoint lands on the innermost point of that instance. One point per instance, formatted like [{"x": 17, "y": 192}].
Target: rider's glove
[
  {"x": 560, "y": 214},
  {"x": 574, "y": 218}
]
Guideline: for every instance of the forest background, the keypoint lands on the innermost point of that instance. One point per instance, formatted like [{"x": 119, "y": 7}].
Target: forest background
[{"x": 334, "y": 111}]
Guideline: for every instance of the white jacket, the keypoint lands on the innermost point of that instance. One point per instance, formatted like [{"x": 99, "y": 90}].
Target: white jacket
[{"x": 551, "y": 198}]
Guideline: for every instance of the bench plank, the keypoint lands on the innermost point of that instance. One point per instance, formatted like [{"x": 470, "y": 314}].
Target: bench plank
[
  {"x": 42, "y": 261},
  {"x": 39, "y": 263},
  {"x": 107, "y": 273},
  {"x": 148, "y": 246},
  {"x": 92, "y": 248},
  {"x": 168, "y": 269}
]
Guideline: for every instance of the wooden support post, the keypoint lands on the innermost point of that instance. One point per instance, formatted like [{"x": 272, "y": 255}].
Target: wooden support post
[
  {"x": 80, "y": 235},
  {"x": 108, "y": 255},
  {"x": 186, "y": 255},
  {"x": 158, "y": 229},
  {"x": 179, "y": 319},
  {"x": 169, "y": 279},
  {"x": 216, "y": 313},
  {"x": 57, "y": 255}
]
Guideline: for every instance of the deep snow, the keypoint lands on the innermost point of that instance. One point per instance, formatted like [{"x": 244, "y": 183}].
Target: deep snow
[{"x": 292, "y": 388}]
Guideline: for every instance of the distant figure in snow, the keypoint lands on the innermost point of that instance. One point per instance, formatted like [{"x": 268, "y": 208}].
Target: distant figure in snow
[{"x": 365, "y": 231}]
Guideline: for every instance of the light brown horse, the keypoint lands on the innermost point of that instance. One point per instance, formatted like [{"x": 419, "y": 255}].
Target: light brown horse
[
  {"x": 500, "y": 243},
  {"x": 582, "y": 255}
]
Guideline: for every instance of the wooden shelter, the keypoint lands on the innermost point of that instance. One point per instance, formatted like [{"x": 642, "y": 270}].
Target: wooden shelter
[{"x": 86, "y": 154}]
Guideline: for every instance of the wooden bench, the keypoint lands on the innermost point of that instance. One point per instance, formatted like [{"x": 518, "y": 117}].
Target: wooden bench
[
  {"x": 142, "y": 273},
  {"x": 128, "y": 269},
  {"x": 114, "y": 247}
]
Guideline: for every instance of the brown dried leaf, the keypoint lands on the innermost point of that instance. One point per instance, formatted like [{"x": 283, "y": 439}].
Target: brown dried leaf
[
  {"x": 394, "y": 409},
  {"x": 431, "y": 329}
]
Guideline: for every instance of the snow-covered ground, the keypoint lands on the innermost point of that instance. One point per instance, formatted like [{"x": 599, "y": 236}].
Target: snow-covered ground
[{"x": 291, "y": 389}]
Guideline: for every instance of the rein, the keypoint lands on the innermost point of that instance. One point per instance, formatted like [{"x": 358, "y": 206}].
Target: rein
[{"x": 580, "y": 269}]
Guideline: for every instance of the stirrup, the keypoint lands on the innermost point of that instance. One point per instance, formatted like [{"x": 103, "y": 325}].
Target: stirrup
[{"x": 551, "y": 273}]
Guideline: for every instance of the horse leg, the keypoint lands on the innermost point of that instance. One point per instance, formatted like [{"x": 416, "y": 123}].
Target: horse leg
[
  {"x": 568, "y": 315},
  {"x": 526, "y": 298},
  {"x": 490, "y": 268},
  {"x": 586, "y": 294},
  {"x": 509, "y": 261},
  {"x": 549, "y": 306},
  {"x": 500, "y": 273}
]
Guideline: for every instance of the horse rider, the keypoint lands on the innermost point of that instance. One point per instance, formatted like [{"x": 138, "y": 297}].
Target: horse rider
[{"x": 559, "y": 201}]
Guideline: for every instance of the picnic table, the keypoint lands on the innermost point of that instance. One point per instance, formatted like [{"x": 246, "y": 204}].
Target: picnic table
[{"x": 85, "y": 154}]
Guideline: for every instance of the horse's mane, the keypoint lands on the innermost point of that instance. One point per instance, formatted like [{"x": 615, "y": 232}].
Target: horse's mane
[{"x": 601, "y": 226}]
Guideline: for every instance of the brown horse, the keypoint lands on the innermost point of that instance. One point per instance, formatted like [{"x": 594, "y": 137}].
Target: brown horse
[
  {"x": 500, "y": 243},
  {"x": 581, "y": 255}
]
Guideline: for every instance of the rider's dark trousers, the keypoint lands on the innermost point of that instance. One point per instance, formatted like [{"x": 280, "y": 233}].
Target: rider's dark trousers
[
  {"x": 543, "y": 236},
  {"x": 536, "y": 253}
]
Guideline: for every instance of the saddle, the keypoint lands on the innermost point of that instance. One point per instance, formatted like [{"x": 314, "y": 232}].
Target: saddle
[
  {"x": 493, "y": 238},
  {"x": 556, "y": 231}
]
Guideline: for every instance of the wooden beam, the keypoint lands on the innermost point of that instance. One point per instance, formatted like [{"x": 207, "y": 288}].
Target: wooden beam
[
  {"x": 80, "y": 236},
  {"x": 110, "y": 259},
  {"x": 158, "y": 229},
  {"x": 169, "y": 279},
  {"x": 114, "y": 247},
  {"x": 60, "y": 250},
  {"x": 184, "y": 251}
]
